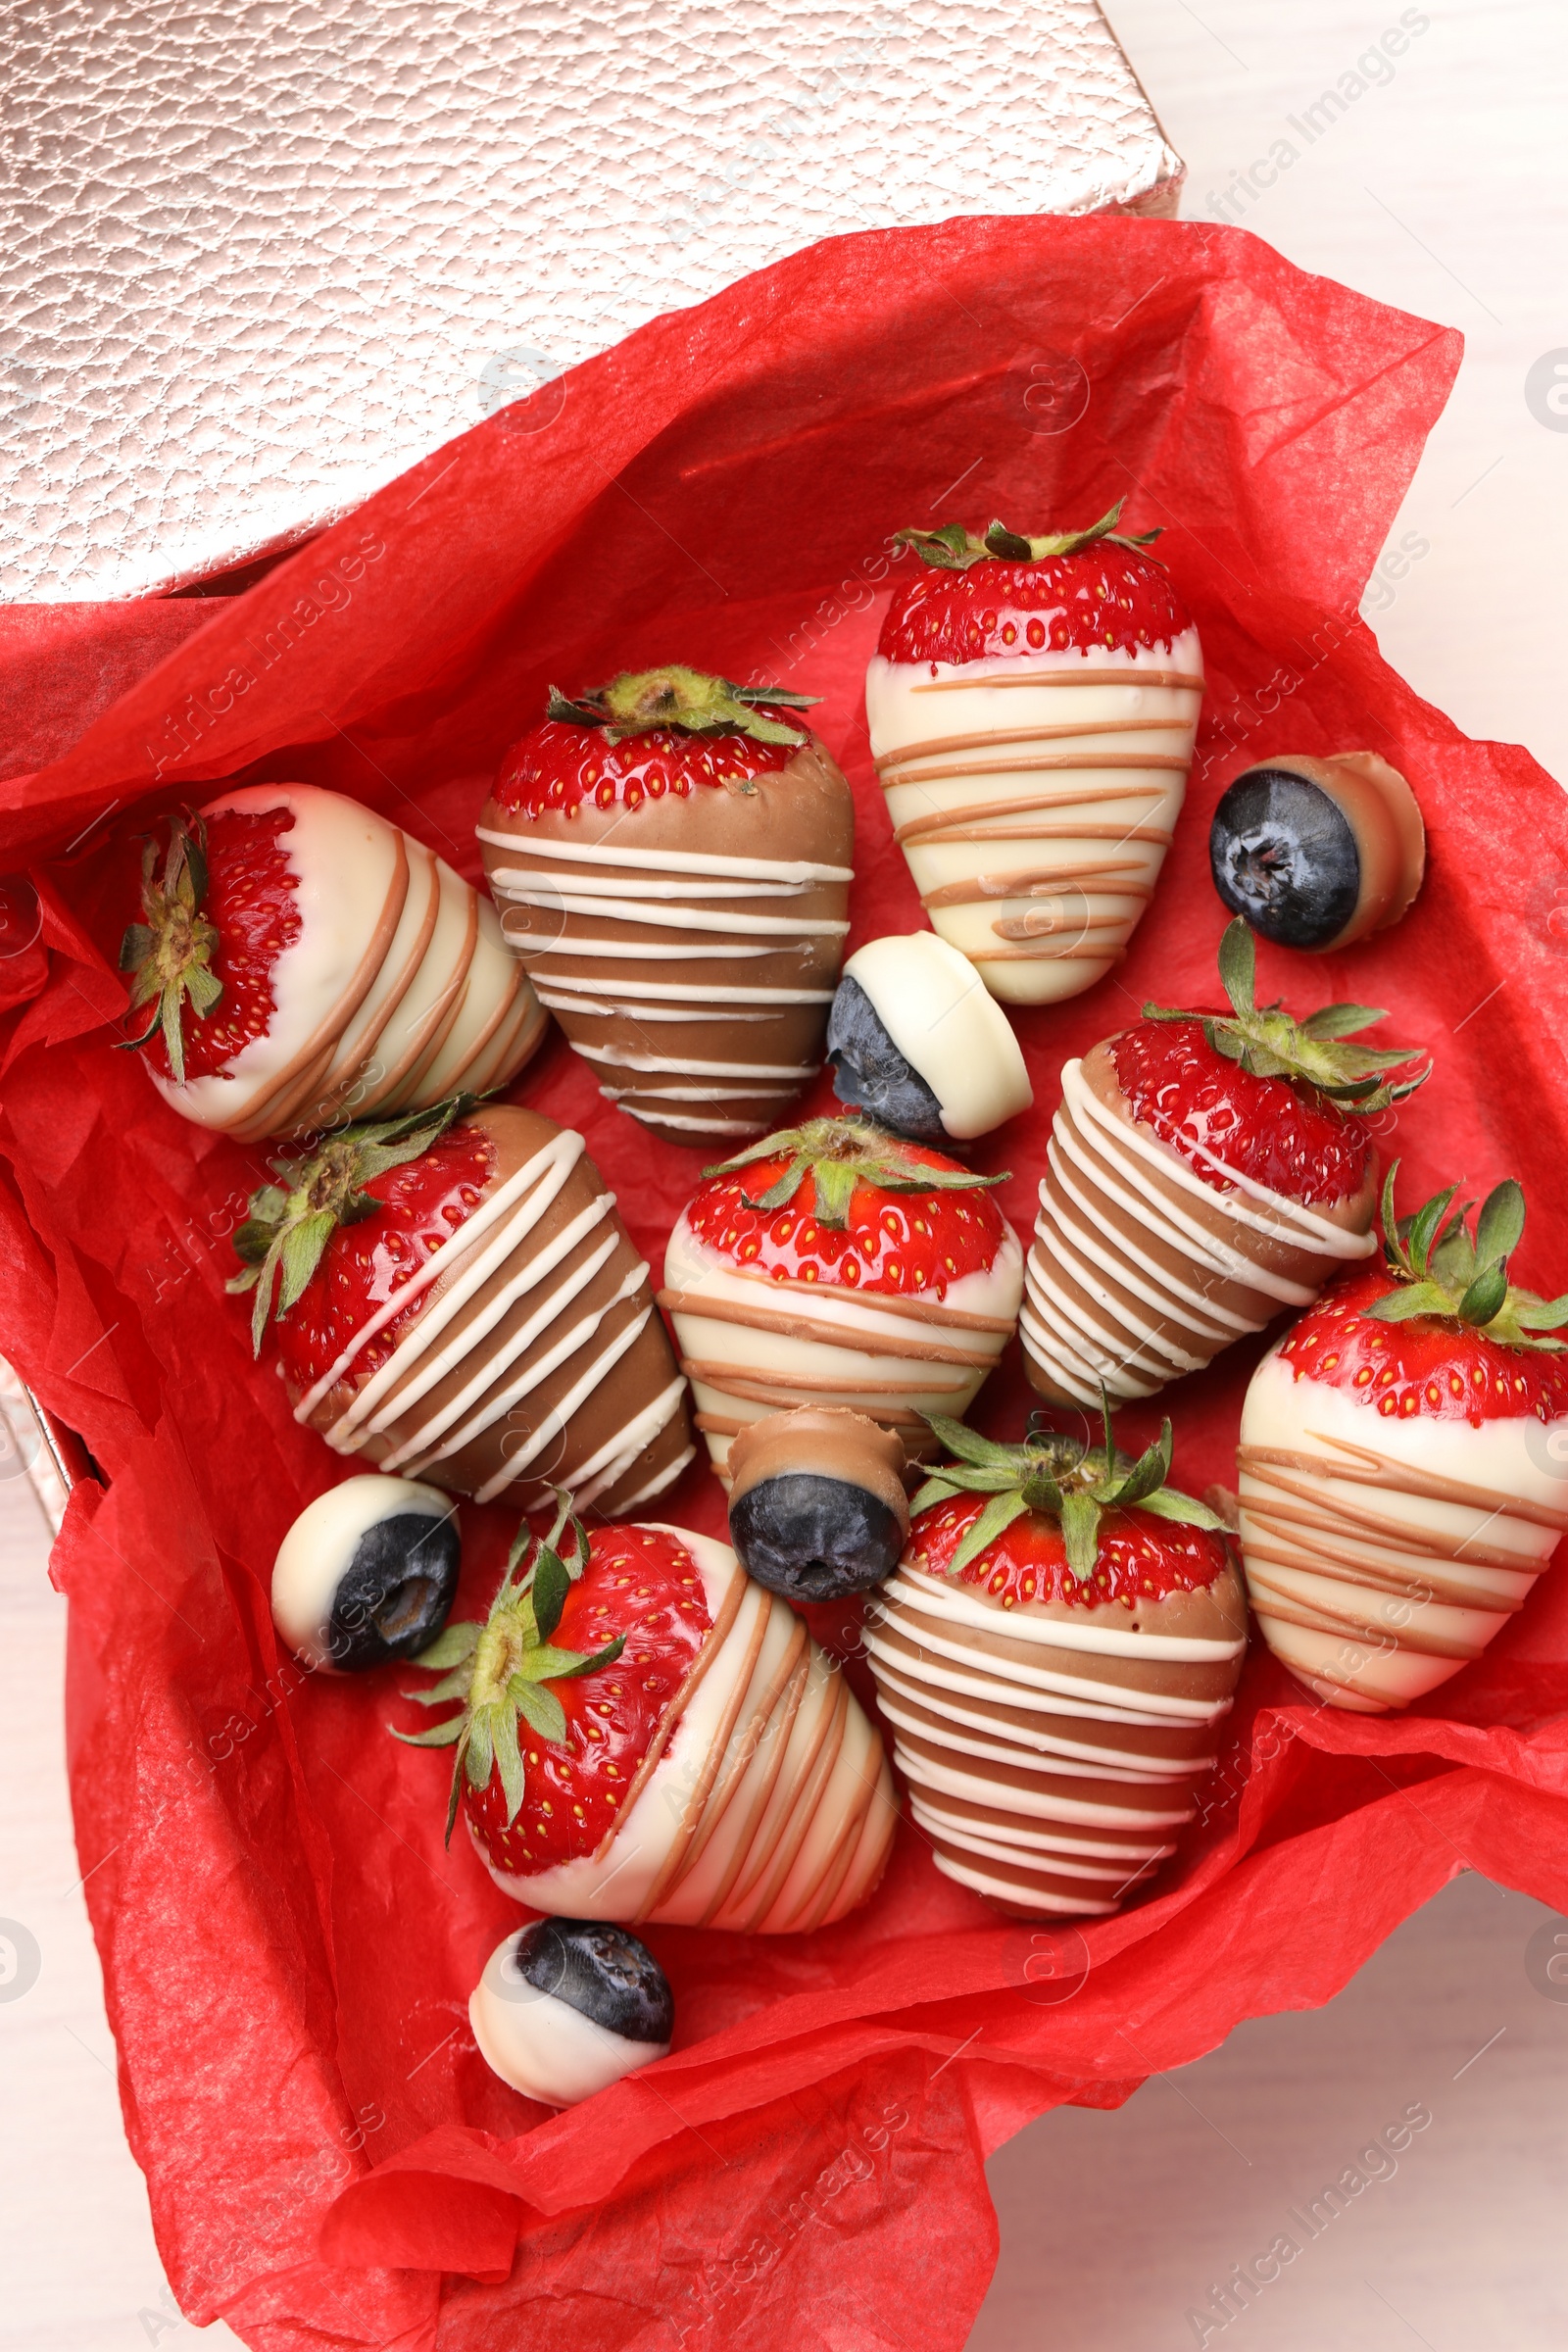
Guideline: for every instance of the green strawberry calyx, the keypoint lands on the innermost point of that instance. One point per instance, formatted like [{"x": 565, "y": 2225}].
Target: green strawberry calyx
[
  {"x": 283, "y": 1239},
  {"x": 169, "y": 953},
  {"x": 500, "y": 1671},
  {"x": 838, "y": 1155},
  {"x": 954, "y": 549},
  {"x": 1266, "y": 1041},
  {"x": 1445, "y": 1272},
  {"x": 1060, "y": 1475},
  {"x": 689, "y": 700}
]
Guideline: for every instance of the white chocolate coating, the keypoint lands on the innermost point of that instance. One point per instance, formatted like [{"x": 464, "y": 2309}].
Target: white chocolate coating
[
  {"x": 1129, "y": 1282},
  {"x": 1381, "y": 1551},
  {"x": 541, "y": 2044},
  {"x": 396, "y": 992},
  {"x": 1034, "y": 795},
  {"x": 1051, "y": 1782},
  {"x": 750, "y": 1345},
  {"x": 936, "y": 1009},
  {"x": 770, "y": 1810},
  {"x": 322, "y": 1542}
]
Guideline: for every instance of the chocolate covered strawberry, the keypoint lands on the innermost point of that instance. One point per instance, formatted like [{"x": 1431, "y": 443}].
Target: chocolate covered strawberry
[
  {"x": 643, "y": 1732},
  {"x": 1032, "y": 705},
  {"x": 836, "y": 1264},
  {"x": 672, "y": 859},
  {"x": 298, "y": 960},
  {"x": 456, "y": 1299},
  {"x": 1403, "y": 1465},
  {"x": 1205, "y": 1170},
  {"x": 1063, "y": 1634}
]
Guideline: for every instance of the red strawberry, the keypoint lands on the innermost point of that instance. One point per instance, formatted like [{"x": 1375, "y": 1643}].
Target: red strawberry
[
  {"x": 1404, "y": 1458},
  {"x": 644, "y": 1732},
  {"x": 1205, "y": 1169},
  {"x": 1064, "y": 1632},
  {"x": 455, "y": 1292},
  {"x": 567, "y": 1691},
  {"x": 301, "y": 957},
  {"x": 1007, "y": 594},
  {"x": 835, "y": 1264},
  {"x": 1032, "y": 705},
  {"x": 672, "y": 857}
]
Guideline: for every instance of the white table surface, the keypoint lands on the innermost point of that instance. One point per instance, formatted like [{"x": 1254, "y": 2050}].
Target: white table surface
[{"x": 1441, "y": 189}]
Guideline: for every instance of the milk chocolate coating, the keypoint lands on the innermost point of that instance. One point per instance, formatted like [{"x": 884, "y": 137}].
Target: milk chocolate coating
[
  {"x": 1315, "y": 854},
  {"x": 1053, "y": 1779},
  {"x": 1148, "y": 1307},
  {"x": 800, "y": 813},
  {"x": 629, "y": 1386},
  {"x": 817, "y": 1508},
  {"x": 823, "y": 1441}
]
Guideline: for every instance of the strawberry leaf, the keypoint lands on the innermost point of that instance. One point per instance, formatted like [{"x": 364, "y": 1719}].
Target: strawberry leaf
[
  {"x": 1080, "y": 1533},
  {"x": 450, "y": 1647},
  {"x": 998, "y": 1516},
  {"x": 1483, "y": 1298},
  {"x": 540, "y": 1707},
  {"x": 1500, "y": 1224},
  {"x": 440, "y": 1735}
]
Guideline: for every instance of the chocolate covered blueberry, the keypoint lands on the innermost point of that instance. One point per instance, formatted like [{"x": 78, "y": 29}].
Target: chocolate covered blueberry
[
  {"x": 567, "y": 2006},
  {"x": 367, "y": 1572},
  {"x": 817, "y": 1508},
  {"x": 1315, "y": 854},
  {"x": 916, "y": 1041}
]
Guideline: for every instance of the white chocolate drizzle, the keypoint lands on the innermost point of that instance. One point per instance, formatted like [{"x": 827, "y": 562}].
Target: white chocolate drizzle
[
  {"x": 1040, "y": 1782},
  {"x": 1104, "y": 1300},
  {"x": 707, "y": 908},
  {"x": 451, "y": 1333}
]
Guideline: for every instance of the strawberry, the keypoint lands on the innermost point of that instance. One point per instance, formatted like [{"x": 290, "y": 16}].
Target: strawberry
[
  {"x": 1205, "y": 1169},
  {"x": 214, "y": 927},
  {"x": 671, "y": 854},
  {"x": 552, "y": 1735},
  {"x": 836, "y": 1264},
  {"x": 644, "y": 1732},
  {"x": 1044, "y": 693},
  {"x": 1062, "y": 1634},
  {"x": 298, "y": 957},
  {"x": 1005, "y": 594},
  {"x": 1403, "y": 1455},
  {"x": 454, "y": 1291}
]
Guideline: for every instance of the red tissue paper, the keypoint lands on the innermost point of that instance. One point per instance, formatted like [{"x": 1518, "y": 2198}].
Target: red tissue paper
[{"x": 288, "y": 1949}]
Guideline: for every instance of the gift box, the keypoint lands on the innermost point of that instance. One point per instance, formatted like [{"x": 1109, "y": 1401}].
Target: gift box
[
  {"x": 287, "y": 253},
  {"x": 287, "y": 1947}
]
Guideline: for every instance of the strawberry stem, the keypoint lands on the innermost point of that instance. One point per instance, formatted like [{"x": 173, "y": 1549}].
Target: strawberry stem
[
  {"x": 501, "y": 1670},
  {"x": 285, "y": 1236}
]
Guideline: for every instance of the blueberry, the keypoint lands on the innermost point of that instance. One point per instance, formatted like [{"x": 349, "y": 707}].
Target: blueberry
[
  {"x": 811, "y": 1537},
  {"x": 870, "y": 1075},
  {"x": 602, "y": 1972},
  {"x": 567, "y": 2006},
  {"x": 367, "y": 1572},
  {"x": 1285, "y": 857}
]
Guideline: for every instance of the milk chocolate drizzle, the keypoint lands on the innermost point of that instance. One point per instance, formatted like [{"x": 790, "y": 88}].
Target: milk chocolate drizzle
[
  {"x": 1051, "y": 1751},
  {"x": 1329, "y": 1552}
]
